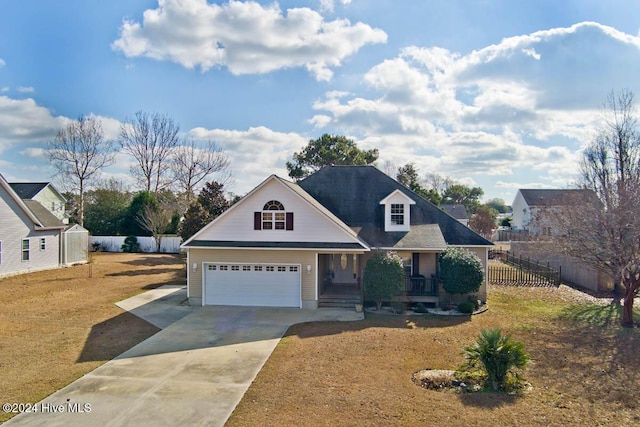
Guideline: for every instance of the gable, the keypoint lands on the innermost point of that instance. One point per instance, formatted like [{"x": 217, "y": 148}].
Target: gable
[{"x": 309, "y": 223}]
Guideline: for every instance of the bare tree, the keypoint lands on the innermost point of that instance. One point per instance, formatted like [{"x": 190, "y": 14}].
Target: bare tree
[
  {"x": 150, "y": 139},
  {"x": 604, "y": 231},
  {"x": 156, "y": 219},
  {"x": 438, "y": 183},
  {"x": 192, "y": 165},
  {"x": 79, "y": 152}
]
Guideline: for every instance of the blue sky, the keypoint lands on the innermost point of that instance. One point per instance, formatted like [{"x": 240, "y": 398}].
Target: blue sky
[{"x": 499, "y": 94}]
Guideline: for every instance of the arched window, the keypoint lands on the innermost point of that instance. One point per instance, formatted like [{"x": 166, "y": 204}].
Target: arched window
[{"x": 273, "y": 216}]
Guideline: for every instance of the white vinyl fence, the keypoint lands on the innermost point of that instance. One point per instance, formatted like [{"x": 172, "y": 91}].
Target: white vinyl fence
[{"x": 169, "y": 244}]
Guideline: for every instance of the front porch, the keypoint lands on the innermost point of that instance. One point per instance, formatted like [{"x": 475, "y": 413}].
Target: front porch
[{"x": 340, "y": 279}]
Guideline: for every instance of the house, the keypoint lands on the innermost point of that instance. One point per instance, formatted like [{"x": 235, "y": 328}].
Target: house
[
  {"x": 301, "y": 245},
  {"x": 459, "y": 212},
  {"x": 45, "y": 194},
  {"x": 30, "y": 235}
]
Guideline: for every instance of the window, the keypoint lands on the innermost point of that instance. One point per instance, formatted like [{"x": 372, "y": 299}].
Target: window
[
  {"x": 397, "y": 214},
  {"x": 407, "y": 265},
  {"x": 224, "y": 267},
  {"x": 43, "y": 244},
  {"x": 212, "y": 267},
  {"x": 235, "y": 268},
  {"x": 293, "y": 268},
  {"x": 246, "y": 268},
  {"x": 25, "y": 250},
  {"x": 257, "y": 268},
  {"x": 270, "y": 268},
  {"x": 273, "y": 216},
  {"x": 282, "y": 268}
]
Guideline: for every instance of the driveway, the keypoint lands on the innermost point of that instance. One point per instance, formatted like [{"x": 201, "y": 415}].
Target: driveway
[{"x": 193, "y": 372}]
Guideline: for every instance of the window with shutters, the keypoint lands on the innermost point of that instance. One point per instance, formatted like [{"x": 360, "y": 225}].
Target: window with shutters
[{"x": 273, "y": 217}]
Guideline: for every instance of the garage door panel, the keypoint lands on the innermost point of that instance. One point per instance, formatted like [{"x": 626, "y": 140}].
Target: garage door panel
[{"x": 255, "y": 285}]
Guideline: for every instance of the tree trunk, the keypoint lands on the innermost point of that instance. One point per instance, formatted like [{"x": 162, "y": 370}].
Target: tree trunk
[
  {"x": 627, "y": 308},
  {"x": 158, "y": 242}
]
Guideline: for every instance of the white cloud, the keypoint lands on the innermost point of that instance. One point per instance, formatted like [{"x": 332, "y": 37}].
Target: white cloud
[
  {"x": 527, "y": 103},
  {"x": 244, "y": 36},
  {"x": 2, "y": 63},
  {"x": 4, "y": 89},
  {"x": 329, "y": 5},
  {"x": 255, "y": 153},
  {"x": 33, "y": 152},
  {"x": 25, "y": 89}
]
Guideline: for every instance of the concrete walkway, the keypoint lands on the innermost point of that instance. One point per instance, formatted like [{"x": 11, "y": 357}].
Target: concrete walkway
[{"x": 194, "y": 372}]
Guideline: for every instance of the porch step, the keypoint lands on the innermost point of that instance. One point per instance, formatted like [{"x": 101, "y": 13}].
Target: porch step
[{"x": 341, "y": 301}]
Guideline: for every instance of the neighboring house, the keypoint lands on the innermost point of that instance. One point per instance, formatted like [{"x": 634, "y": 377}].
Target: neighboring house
[
  {"x": 300, "y": 245},
  {"x": 535, "y": 210},
  {"x": 30, "y": 235},
  {"x": 44, "y": 193},
  {"x": 459, "y": 212}
]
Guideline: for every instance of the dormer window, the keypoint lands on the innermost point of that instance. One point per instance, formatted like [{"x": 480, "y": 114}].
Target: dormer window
[
  {"x": 397, "y": 209},
  {"x": 397, "y": 214},
  {"x": 273, "y": 217}
]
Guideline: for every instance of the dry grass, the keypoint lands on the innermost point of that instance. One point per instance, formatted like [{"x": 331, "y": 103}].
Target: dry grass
[
  {"x": 585, "y": 370},
  {"x": 57, "y": 325}
]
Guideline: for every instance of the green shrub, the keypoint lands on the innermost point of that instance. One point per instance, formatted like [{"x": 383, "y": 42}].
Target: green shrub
[
  {"x": 131, "y": 244},
  {"x": 466, "y": 307},
  {"x": 499, "y": 356},
  {"x": 461, "y": 271},
  {"x": 420, "y": 308},
  {"x": 383, "y": 276}
]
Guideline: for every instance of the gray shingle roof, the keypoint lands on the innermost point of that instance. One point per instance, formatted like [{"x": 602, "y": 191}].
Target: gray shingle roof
[
  {"x": 456, "y": 211},
  {"x": 28, "y": 190},
  {"x": 551, "y": 197},
  {"x": 353, "y": 194},
  {"x": 46, "y": 218}
]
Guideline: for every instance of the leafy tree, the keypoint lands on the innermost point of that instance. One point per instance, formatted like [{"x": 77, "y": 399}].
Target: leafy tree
[
  {"x": 150, "y": 139},
  {"x": 328, "y": 150},
  {"x": 506, "y": 222},
  {"x": 130, "y": 225},
  {"x": 106, "y": 209},
  {"x": 131, "y": 245},
  {"x": 383, "y": 276},
  {"x": 484, "y": 220},
  {"x": 460, "y": 194},
  {"x": 498, "y": 204},
  {"x": 210, "y": 204},
  {"x": 498, "y": 355},
  {"x": 79, "y": 152},
  {"x": 461, "y": 271},
  {"x": 407, "y": 175}
]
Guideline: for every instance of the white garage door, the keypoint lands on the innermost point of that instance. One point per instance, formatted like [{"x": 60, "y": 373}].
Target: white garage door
[{"x": 273, "y": 285}]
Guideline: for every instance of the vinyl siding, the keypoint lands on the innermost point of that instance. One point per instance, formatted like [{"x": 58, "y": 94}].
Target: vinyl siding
[
  {"x": 309, "y": 224},
  {"x": 46, "y": 197},
  {"x": 15, "y": 226},
  {"x": 304, "y": 258}
]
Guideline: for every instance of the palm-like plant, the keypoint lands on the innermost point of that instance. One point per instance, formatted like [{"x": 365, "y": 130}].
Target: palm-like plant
[{"x": 498, "y": 355}]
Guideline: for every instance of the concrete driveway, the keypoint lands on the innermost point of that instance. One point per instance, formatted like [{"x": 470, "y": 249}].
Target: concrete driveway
[{"x": 193, "y": 372}]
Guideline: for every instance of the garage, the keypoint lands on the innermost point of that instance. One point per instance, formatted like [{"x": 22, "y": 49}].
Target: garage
[{"x": 268, "y": 285}]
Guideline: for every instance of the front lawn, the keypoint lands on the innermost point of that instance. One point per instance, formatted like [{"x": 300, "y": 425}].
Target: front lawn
[
  {"x": 58, "y": 325},
  {"x": 585, "y": 369}
]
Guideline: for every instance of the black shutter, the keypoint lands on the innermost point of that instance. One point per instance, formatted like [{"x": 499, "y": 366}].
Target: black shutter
[
  {"x": 257, "y": 221},
  {"x": 289, "y": 221},
  {"x": 415, "y": 264}
]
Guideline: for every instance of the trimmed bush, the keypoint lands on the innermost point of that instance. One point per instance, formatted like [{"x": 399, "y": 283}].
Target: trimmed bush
[
  {"x": 131, "y": 244},
  {"x": 461, "y": 271},
  {"x": 466, "y": 307},
  {"x": 383, "y": 277}
]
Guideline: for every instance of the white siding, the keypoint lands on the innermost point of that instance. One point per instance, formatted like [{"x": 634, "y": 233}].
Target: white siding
[
  {"x": 52, "y": 202},
  {"x": 309, "y": 225},
  {"x": 15, "y": 226},
  {"x": 521, "y": 212}
]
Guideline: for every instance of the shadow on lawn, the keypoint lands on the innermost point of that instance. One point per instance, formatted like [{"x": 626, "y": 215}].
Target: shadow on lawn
[
  {"x": 315, "y": 329},
  {"x": 155, "y": 259},
  {"x": 114, "y": 336},
  {"x": 597, "y": 314},
  {"x": 489, "y": 400},
  {"x": 145, "y": 272}
]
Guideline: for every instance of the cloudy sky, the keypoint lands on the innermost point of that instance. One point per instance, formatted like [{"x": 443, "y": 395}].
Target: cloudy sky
[{"x": 500, "y": 94}]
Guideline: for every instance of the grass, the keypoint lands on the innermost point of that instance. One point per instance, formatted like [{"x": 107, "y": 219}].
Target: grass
[
  {"x": 584, "y": 371},
  {"x": 58, "y": 325}
]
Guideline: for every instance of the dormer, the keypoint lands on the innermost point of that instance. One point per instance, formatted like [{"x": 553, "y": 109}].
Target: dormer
[{"x": 397, "y": 207}]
